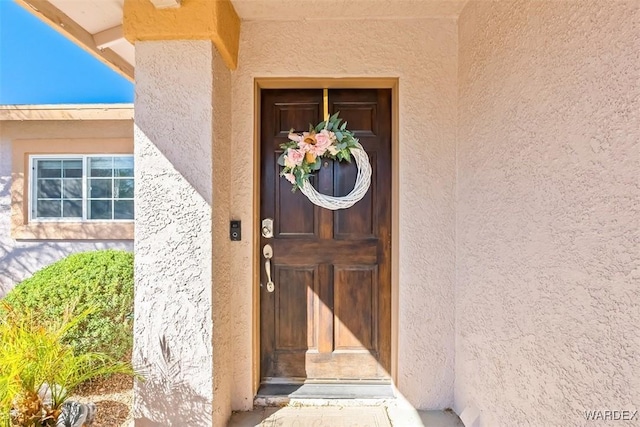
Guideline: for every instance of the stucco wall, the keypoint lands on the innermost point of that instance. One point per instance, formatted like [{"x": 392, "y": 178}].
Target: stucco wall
[
  {"x": 422, "y": 54},
  {"x": 20, "y": 259},
  {"x": 548, "y": 220},
  {"x": 223, "y": 311},
  {"x": 181, "y": 148}
]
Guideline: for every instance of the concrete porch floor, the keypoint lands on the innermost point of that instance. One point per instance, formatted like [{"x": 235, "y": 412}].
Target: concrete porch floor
[{"x": 365, "y": 415}]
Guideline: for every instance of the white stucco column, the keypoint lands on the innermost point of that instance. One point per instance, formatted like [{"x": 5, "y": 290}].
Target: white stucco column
[{"x": 177, "y": 236}]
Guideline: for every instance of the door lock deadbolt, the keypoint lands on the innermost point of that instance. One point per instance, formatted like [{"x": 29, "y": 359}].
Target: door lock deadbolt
[{"x": 267, "y": 228}]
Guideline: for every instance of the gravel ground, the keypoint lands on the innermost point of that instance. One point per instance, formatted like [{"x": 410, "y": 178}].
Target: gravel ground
[{"x": 113, "y": 397}]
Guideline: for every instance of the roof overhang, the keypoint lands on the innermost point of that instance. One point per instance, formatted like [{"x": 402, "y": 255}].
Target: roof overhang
[
  {"x": 66, "y": 112},
  {"x": 97, "y": 26}
]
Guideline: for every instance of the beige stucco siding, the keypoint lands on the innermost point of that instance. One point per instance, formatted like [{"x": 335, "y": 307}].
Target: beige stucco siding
[
  {"x": 223, "y": 311},
  {"x": 422, "y": 55},
  {"x": 182, "y": 131},
  {"x": 548, "y": 219},
  {"x": 22, "y": 228},
  {"x": 21, "y": 258}
]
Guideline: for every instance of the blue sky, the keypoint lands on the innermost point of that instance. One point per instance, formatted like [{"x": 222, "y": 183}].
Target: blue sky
[{"x": 38, "y": 65}]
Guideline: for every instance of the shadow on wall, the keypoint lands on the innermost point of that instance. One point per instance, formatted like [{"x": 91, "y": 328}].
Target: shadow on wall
[
  {"x": 19, "y": 260},
  {"x": 17, "y": 263},
  {"x": 5, "y": 186},
  {"x": 174, "y": 401}
]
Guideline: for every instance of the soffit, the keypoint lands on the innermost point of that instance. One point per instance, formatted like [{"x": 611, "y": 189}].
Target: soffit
[
  {"x": 96, "y": 16},
  {"x": 99, "y": 15},
  {"x": 293, "y": 10},
  {"x": 93, "y": 15}
]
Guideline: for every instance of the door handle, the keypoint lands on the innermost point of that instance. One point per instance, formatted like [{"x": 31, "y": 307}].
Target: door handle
[{"x": 267, "y": 251}]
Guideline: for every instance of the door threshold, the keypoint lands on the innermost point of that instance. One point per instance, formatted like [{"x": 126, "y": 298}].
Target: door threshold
[
  {"x": 276, "y": 394},
  {"x": 300, "y": 381}
]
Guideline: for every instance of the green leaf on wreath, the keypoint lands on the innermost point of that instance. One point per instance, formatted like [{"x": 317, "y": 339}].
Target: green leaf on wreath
[{"x": 317, "y": 164}]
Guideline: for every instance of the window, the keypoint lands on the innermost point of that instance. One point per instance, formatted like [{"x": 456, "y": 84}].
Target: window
[{"x": 82, "y": 188}]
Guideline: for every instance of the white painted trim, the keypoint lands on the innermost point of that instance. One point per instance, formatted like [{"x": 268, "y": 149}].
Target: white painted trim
[{"x": 164, "y": 4}]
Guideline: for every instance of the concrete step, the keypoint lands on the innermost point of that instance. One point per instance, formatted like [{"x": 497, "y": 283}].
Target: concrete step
[{"x": 383, "y": 415}]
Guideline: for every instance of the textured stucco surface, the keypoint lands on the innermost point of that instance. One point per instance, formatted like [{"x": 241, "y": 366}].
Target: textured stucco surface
[
  {"x": 422, "y": 54},
  {"x": 548, "y": 218},
  {"x": 20, "y": 259},
  {"x": 222, "y": 291},
  {"x": 216, "y": 21},
  {"x": 180, "y": 287}
]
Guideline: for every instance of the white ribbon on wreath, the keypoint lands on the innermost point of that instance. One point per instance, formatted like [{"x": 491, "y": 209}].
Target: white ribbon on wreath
[{"x": 363, "y": 181}]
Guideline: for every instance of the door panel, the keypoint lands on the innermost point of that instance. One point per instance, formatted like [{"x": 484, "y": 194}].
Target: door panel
[
  {"x": 357, "y": 222},
  {"x": 356, "y": 286},
  {"x": 362, "y": 116},
  {"x": 329, "y": 316},
  {"x": 303, "y": 224},
  {"x": 295, "y": 284}
]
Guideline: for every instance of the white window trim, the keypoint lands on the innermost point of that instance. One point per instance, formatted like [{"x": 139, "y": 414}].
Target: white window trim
[{"x": 32, "y": 197}]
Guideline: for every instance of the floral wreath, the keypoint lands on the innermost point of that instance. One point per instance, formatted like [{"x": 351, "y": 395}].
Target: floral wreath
[{"x": 303, "y": 155}]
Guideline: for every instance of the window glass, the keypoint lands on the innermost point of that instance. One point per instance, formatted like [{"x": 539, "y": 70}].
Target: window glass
[
  {"x": 123, "y": 189},
  {"x": 49, "y": 169},
  {"x": 72, "y": 208},
  {"x": 83, "y": 187},
  {"x": 123, "y": 209},
  {"x": 100, "y": 188},
  {"x": 101, "y": 166},
  {"x": 72, "y": 168},
  {"x": 100, "y": 209},
  {"x": 49, "y": 188},
  {"x": 123, "y": 166},
  {"x": 72, "y": 188},
  {"x": 49, "y": 209}
]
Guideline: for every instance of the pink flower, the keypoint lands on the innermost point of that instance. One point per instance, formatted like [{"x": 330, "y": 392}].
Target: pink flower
[
  {"x": 290, "y": 177},
  {"x": 293, "y": 158},
  {"x": 323, "y": 140}
]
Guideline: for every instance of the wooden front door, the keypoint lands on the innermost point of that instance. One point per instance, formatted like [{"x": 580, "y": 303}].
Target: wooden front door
[{"x": 329, "y": 317}]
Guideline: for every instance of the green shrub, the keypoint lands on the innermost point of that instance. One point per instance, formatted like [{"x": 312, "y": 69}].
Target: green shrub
[{"x": 101, "y": 280}]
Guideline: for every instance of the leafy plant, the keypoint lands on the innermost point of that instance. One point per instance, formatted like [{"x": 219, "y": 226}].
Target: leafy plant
[
  {"x": 302, "y": 154},
  {"x": 38, "y": 370},
  {"x": 102, "y": 280}
]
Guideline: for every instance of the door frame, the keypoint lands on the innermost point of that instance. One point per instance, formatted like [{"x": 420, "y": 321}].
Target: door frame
[{"x": 326, "y": 83}]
